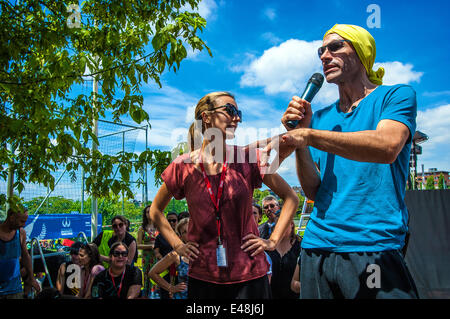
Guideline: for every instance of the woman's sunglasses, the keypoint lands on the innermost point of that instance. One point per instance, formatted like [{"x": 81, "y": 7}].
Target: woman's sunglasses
[
  {"x": 231, "y": 110},
  {"x": 120, "y": 253},
  {"x": 332, "y": 47}
]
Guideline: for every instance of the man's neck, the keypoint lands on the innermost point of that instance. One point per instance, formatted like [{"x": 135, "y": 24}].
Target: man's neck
[{"x": 352, "y": 92}]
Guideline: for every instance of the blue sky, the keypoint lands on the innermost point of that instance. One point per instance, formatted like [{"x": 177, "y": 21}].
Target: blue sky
[{"x": 265, "y": 51}]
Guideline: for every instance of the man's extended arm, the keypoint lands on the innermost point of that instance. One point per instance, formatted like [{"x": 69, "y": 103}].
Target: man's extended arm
[{"x": 381, "y": 145}]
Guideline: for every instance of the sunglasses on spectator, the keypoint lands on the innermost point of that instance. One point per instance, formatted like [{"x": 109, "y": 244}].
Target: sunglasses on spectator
[
  {"x": 332, "y": 47},
  {"x": 269, "y": 205},
  {"x": 120, "y": 253},
  {"x": 171, "y": 220},
  {"x": 231, "y": 110},
  {"x": 116, "y": 226}
]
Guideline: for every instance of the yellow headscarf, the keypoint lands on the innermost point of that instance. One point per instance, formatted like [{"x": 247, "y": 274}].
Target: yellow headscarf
[{"x": 364, "y": 44}]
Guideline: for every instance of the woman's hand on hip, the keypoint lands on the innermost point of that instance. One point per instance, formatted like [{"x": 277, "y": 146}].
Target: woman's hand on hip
[{"x": 256, "y": 245}]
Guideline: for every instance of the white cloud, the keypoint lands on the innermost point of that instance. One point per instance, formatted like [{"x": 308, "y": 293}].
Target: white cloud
[
  {"x": 169, "y": 110},
  {"x": 192, "y": 54},
  {"x": 398, "y": 73},
  {"x": 258, "y": 111},
  {"x": 244, "y": 60},
  {"x": 435, "y": 123},
  {"x": 165, "y": 133},
  {"x": 190, "y": 114},
  {"x": 281, "y": 68},
  {"x": 270, "y": 13},
  {"x": 271, "y": 38},
  {"x": 208, "y": 9},
  {"x": 436, "y": 94},
  {"x": 288, "y": 169},
  {"x": 286, "y": 68}
]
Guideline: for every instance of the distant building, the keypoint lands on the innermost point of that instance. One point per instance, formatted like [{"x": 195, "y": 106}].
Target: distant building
[
  {"x": 435, "y": 173},
  {"x": 298, "y": 190}
]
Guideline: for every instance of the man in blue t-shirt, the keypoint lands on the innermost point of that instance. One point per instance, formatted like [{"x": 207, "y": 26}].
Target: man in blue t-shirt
[{"x": 352, "y": 160}]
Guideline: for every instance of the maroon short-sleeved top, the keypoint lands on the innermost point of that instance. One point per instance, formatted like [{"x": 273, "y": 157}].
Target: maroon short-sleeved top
[{"x": 243, "y": 175}]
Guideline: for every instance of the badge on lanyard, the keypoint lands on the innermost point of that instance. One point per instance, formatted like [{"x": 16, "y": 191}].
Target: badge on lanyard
[
  {"x": 220, "y": 250},
  {"x": 221, "y": 256}
]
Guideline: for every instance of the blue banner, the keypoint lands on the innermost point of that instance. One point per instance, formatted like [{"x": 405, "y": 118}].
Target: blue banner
[{"x": 56, "y": 226}]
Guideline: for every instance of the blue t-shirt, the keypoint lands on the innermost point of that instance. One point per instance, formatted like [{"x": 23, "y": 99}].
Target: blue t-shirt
[{"x": 360, "y": 206}]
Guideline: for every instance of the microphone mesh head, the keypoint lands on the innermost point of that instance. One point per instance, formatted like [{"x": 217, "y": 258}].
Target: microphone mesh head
[{"x": 317, "y": 79}]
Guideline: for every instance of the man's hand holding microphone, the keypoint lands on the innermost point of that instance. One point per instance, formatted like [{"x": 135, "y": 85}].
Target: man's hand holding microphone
[{"x": 296, "y": 120}]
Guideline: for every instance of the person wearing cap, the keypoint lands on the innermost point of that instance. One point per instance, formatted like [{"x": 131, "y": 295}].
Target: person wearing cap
[{"x": 352, "y": 159}]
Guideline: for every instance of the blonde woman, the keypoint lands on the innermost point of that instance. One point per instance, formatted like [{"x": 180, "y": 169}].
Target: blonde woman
[{"x": 223, "y": 245}]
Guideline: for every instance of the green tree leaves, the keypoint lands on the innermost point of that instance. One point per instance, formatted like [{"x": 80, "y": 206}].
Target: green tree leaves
[
  {"x": 119, "y": 43},
  {"x": 430, "y": 182},
  {"x": 441, "y": 181}
]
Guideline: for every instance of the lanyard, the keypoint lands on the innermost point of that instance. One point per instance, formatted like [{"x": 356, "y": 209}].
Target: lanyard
[
  {"x": 114, "y": 284},
  {"x": 216, "y": 201}
]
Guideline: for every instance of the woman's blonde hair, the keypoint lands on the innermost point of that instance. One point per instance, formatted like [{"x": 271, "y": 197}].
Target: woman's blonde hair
[
  {"x": 180, "y": 224},
  {"x": 196, "y": 130}
]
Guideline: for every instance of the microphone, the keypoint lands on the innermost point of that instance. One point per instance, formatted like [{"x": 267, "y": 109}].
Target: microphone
[{"x": 313, "y": 86}]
